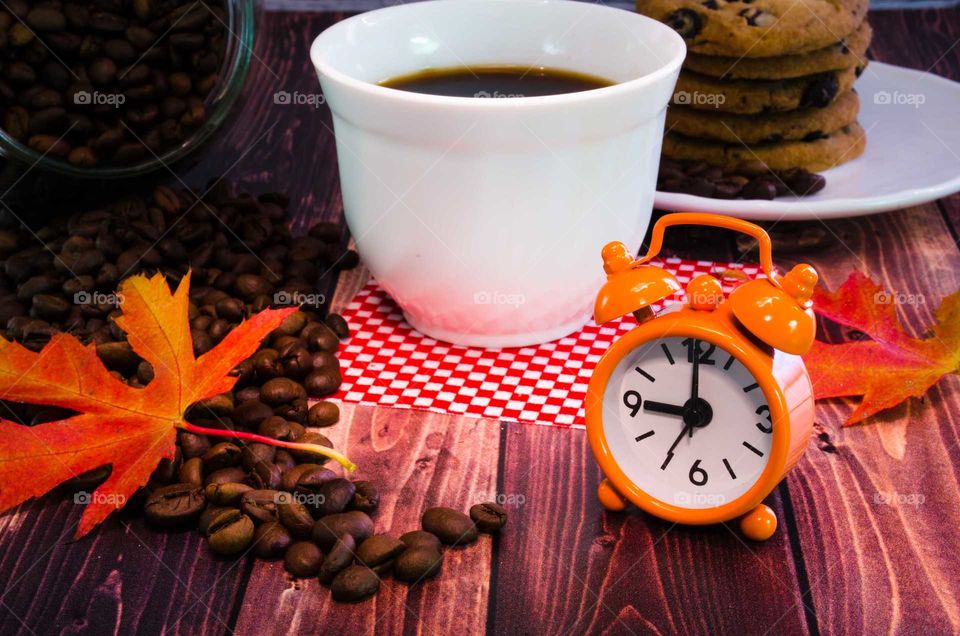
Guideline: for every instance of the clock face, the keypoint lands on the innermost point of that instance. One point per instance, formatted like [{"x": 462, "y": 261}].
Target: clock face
[{"x": 687, "y": 422}]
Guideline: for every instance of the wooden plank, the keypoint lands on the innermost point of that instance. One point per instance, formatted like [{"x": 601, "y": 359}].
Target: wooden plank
[
  {"x": 419, "y": 460},
  {"x": 875, "y": 504},
  {"x": 565, "y": 566},
  {"x": 122, "y": 578}
]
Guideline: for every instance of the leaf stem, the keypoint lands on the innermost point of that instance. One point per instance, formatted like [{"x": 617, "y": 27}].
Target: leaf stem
[{"x": 326, "y": 451}]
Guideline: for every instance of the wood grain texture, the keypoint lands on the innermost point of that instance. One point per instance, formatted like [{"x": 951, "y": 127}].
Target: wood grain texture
[
  {"x": 122, "y": 578},
  {"x": 876, "y": 511},
  {"x": 419, "y": 460},
  {"x": 566, "y": 566}
]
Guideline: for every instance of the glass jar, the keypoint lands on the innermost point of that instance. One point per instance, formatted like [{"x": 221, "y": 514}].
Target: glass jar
[{"x": 25, "y": 170}]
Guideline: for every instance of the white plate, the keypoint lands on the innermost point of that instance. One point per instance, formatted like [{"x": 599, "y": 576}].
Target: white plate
[{"x": 912, "y": 155}]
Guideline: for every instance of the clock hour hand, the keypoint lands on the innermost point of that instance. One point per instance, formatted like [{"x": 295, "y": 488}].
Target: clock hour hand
[{"x": 662, "y": 407}]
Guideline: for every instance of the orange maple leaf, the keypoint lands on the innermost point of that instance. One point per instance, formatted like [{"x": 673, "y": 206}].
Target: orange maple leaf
[
  {"x": 130, "y": 428},
  {"x": 890, "y": 367}
]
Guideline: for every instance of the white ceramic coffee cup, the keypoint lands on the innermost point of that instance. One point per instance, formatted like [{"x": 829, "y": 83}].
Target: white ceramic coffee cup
[{"x": 484, "y": 218}]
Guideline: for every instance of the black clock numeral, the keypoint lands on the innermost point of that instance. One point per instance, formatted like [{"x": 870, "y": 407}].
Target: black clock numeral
[
  {"x": 763, "y": 408},
  {"x": 632, "y": 400},
  {"x": 705, "y": 355},
  {"x": 697, "y": 475}
]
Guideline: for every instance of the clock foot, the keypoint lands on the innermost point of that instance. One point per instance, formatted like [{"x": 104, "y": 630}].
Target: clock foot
[
  {"x": 609, "y": 497},
  {"x": 759, "y": 524}
]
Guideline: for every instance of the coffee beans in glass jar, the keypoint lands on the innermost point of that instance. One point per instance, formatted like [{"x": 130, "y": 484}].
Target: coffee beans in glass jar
[{"x": 109, "y": 83}]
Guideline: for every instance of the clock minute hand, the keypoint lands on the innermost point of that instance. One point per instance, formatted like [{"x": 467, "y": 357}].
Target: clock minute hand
[
  {"x": 662, "y": 407},
  {"x": 669, "y": 456}
]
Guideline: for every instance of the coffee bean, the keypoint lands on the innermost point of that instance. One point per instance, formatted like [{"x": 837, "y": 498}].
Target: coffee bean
[
  {"x": 254, "y": 454},
  {"x": 311, "y": 438},
  {"x": 191, "y": 444},
  {"x": 230, "y": 532},
  {"x": 759, "y": 188},
  {"x": 421, "y": 539},
  {"x": 303, "y": 559},
  {"x": 416, "y": 564},
  {"x": 319, "y": 337},
  {"x": 366, "y": 498},
  {"x": 451, "y": 526},
  {"x": 488, "y": 516},
  {"x": 294, "y": 515},
  {"x": 226, "y": 494},
  {"x": 225, "y": 476},
  {"x": 339, "y": 557},
  {"x": 208, "y": 515},
  {"x": 271, "y": 540},
  {"x": 323, "y": 382},
  {"x": 292, "y": 476},
  {"x": 379, "y": 549},
  {"x": 333, "y": 497},
  {"x": 191, "y": 472},
  {"x": 275, "y": 427},
  {"x": 280, "y": 391},
  {"x": 327, "y": 529},
  {"x": 338, "y": 325},
  {"x": 265, "y": 475},
  {"x": 354, "y": 583},
  {"x": 176, "y": 505},
  {"x": 323, "y": 414},
  {"x": 250, "y": 413},
  {"x": 222, "y": 455},
  {"x": 260, "y": 505}
]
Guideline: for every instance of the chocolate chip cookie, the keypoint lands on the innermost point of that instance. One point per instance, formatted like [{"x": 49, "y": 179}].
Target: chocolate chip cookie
[
  {"x": 761, "y": 96},
  {"x": 830, "y": 151},
  {"x": 805, "y": 124},
  {"x": 757, "y": 28},
  {"x": 850, "y": 51}
]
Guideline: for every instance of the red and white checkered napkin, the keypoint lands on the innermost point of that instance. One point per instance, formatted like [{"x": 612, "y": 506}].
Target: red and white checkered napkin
[{"x": 387, "y": 363}]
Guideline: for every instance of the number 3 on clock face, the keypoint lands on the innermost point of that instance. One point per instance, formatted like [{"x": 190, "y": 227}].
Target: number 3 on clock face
[{"x": 687, "y": 422}]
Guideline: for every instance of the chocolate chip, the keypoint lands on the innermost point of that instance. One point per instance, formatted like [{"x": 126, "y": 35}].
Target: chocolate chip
[
  {"x": 820, "y": 91},
  {"x": 686, "y": 22}
]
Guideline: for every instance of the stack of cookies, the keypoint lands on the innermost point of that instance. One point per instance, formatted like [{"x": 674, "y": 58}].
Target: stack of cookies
[{"x": 766, "y": 81}]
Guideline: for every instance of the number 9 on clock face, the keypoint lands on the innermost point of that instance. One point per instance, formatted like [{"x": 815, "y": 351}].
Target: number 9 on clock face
[{"x": 687, "y": 422}]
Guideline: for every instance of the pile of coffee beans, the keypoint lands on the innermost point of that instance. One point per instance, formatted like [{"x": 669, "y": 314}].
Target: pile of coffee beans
[
  {"x": 750, "y": 181},
  {"x": 244, "y": 497},
  {"x": 108, "y": 82}
]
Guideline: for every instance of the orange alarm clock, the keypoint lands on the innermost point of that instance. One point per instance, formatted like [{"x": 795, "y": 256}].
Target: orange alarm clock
[{"x": 697, "y": 413}]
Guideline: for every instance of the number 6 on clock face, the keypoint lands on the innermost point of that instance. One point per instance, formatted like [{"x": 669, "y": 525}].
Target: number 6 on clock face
[{"x": 687, "y": 422}]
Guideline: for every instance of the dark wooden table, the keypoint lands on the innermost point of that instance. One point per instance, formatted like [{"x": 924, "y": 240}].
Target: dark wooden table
[{"x": 843, "y": 562}]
